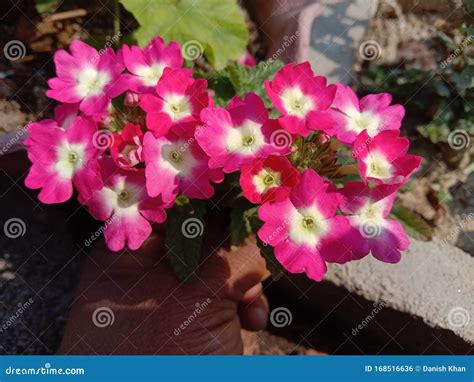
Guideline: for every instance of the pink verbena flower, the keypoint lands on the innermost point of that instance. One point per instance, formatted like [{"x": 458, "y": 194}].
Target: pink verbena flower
[
  {"x": 179, "y": 99},
  {"x": 147, "y": 65},
  {"x": 304, "y": 230},
  {"x": 268, "y": 179},
  {"x": 383, "y": 158},
  {"x": 62, "y": 158},
  {"x": 302, "y": 98},
  {"x": 240, "y": 133},
  {"x": 86, "y": 77},
  {"x": 174, "y": 165},
  {"x": 369, "y": 208},
  {"x": 125, "y": 207},
  {"x": 373, "y": 113},
  {"x": 127, "y": 147}
]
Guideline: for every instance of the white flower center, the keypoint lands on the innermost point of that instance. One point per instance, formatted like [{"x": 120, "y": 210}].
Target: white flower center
[
  {"x": 266, "y": 179},
  {"x": 150, "y": 75},
  {"x": 370, "y": 219},
  {"x": 246, "y": 139},
  {"x": 307, "y": 226},
  {"x": 359, "y": 122},
  {"x": 177, "y": 158},
  {"x": 123, "y": 198},
  {"x": 378, "y": 166},
  {"x": 177, "y": 106},
  {"x": 296, "y": 102},
  {"x": 91, "y": 82},
  {"x": 69, "y": 159}
]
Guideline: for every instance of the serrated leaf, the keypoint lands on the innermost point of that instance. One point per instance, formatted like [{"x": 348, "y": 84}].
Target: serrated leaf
[
  {"x": 413, "y": 224},
  {"x": 247, "y": 79},
  {"x": 273, "y": 265},
  {"x": 184, "y": 238},
  {"x": 217, "y": 25}
]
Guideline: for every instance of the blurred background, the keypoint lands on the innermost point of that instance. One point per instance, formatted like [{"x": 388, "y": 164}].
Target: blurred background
[{"x": 421, "y": 51}]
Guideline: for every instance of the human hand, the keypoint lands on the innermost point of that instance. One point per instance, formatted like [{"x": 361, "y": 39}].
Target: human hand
[{"x": 152, "y": 312}]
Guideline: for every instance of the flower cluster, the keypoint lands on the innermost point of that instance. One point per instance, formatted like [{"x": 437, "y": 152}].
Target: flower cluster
[{"x": 130, "y": 157}]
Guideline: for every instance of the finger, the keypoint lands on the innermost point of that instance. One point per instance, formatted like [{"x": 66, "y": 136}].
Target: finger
[
  {"x": 150, "y": 251},
  {"x": 253, "y": 309}
]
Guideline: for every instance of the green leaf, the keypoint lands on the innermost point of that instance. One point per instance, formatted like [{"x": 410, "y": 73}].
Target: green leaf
[
  {"x": 413, "y": 224},
  {"x": 435, "y": 132},
  {"x": 273, "y": 265},
  {"x": 220, "y": 83},
  {"x": 241, "y": 217},
  {"x": 47, "y": 6},
  {"x": 469, "y": 5},
  {"x": 218, "y": 26},
  {"x": 184, "y": 237},
  {"x": 441, "y": 88},
  {"x": 247, "y": 79},
  {"x": 464, "y": 80}
]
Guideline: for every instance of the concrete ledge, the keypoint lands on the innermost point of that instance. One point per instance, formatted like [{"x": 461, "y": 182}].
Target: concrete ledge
[
  {"x": 423, "y": 305},
  {"x": 433, "y": 281}
]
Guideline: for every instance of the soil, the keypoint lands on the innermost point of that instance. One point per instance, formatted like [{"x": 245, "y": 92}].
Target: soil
[{"x": 442, "y": 192}]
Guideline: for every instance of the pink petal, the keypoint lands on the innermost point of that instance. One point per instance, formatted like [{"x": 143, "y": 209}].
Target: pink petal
[
  {"x": 386, "y": 247},
  {"x": 345, "y": 98},
  {"x": 63, "y": 91},
  {"x": 94, "y": 104},
  {"x": 84, "y": 53},
  {"x": 299, "y": 259},
  {"x": 338, "y": 244},
  {"x": 66, "y": 65}
]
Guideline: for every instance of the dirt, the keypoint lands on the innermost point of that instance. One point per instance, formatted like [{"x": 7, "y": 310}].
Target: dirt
[
  {"x": 264, "y": 343},
  {"x": 442, "y": 191}
]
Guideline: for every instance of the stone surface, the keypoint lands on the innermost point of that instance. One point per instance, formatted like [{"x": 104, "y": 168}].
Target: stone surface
[
  {"x": 421, "y": 305},
  {"x": 336, "y": 36},
  {"x": 433, "y": 281}
]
